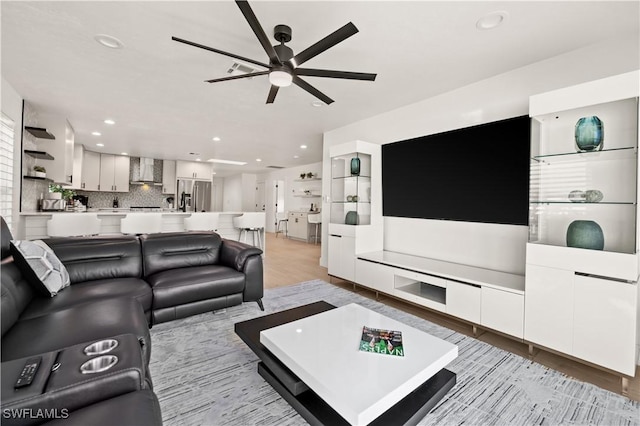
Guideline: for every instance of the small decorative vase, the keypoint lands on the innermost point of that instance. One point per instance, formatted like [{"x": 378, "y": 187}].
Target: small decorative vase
[
  {"x": 594, "y": 196},
  {"x": 351, "y": 218},
  {"x": 585, "y": 234},
  {"x": 577, "y": 196},
  {"x": 589, "y": 133},
  {"x": 355, "y": 166}
]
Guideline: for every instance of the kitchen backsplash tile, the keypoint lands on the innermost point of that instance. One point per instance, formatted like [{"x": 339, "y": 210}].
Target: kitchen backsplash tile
[{"x": 138, "y": 196}]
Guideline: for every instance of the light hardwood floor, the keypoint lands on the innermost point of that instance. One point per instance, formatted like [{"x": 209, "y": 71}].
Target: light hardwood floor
[{"x": 288, "y": 262}]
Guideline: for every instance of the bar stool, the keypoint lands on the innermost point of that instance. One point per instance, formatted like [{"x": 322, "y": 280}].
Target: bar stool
[
  {"x": 282, "y": 220},
  {"x": 203, "y": 221},
  {"x": 141, "y": 223},
  {"x": 315, "y": 219},
  {"x": 251, "y": 222},
  {"x": 73, "y": 225}
]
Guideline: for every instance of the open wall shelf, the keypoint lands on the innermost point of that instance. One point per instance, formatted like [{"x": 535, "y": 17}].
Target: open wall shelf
[
  {"x": 38, "y": 178},
  {"x": 39, "y": 154},
  {"x": 39, "y": 132}
]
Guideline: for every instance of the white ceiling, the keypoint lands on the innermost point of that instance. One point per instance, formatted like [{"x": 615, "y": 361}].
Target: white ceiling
[{"x": 154, "y": 89}]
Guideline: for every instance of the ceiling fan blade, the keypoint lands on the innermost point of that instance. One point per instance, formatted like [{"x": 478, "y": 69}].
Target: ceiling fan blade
[
  {"x": 272, "y": 94},
  {"x": 329, "y": 41},
  {"x": 309, "y": 88},
  {"x": 335, "y": 74},
  {"x": 258, "y": 31},
  {"x": 236, "y": 77},
  {"x": 211, "y": 49}
]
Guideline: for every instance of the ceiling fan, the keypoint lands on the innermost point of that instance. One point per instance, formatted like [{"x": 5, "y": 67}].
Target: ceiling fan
[{"x": 283, "y": 67}]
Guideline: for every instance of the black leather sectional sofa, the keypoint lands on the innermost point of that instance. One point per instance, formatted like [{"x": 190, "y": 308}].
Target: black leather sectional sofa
[{"x": 120, "y": 287}]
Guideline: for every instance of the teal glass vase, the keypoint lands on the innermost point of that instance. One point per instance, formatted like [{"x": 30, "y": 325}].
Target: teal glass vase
[
  {"x": 589, "y": 133},
  {"x": 355, "y": 166},
  {"x": 585, "y": 234}
]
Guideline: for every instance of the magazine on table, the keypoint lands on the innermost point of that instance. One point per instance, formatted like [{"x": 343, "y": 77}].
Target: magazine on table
[{"x": 388, "y": 342}]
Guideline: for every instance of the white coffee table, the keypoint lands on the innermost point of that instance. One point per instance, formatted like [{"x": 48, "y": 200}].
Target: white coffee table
[{"x": 322, "y": 350}]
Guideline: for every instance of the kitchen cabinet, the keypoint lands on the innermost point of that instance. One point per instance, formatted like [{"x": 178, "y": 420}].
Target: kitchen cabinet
[
  {"x": 90, "y": 171},
  {"x": 76, "y": 176},
  {"x": 114, "y": 173},
  {"x": 193, "y": 170},
  {"x": 168, "y": 176},
  {"x": 298, "y": 225}
]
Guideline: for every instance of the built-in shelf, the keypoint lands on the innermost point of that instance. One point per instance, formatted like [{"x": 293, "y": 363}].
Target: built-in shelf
[
  {"x": 307, "y": 179},
  {"x": 44, "y": 179},
  {"x": 426, "y": 291},
  {"x": 39, "y": 132},
  {"x": 308, "y": 196},
  {"x": 39, "y": 154}
]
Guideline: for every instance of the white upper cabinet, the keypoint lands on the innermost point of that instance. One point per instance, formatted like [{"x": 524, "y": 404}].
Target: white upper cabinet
[
  {"x": 168, "y": 176},
  {"x": 114, "y": 173},
  {"x": 193, "y": 170},
  {"x": 90, "y": 171}
]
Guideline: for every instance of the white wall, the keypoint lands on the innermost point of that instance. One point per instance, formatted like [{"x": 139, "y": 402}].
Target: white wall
[
  {"x": 249, "y": 192},
  {"x": 499, "y": 247},
  {"x": 11, "y": 103}
]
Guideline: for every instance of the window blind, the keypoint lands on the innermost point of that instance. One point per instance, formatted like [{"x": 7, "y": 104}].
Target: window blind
[{"x": 6, "y": 168}]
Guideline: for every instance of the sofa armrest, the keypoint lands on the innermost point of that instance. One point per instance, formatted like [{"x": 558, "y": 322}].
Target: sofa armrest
[{"x": 234, "y": 254}]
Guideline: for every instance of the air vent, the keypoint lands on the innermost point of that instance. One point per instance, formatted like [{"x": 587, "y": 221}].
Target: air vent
[
  {"x": 238, "y": 68},
  {"x": 275, "y": 167}
]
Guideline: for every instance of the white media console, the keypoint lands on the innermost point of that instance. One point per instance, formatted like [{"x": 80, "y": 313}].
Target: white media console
[{"x": 491, "y": 299}]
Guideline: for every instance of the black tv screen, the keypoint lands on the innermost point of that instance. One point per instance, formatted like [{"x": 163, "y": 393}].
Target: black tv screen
[{"x": 475, "y": 174}]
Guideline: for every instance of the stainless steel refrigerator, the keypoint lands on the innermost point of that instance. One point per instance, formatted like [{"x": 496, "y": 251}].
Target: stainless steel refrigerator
[{"x": 194, "y": 195}]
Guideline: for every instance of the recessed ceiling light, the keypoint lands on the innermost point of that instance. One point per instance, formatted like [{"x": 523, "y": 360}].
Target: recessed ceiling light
[
  {"x": 217, "y": 160},
  {"x": 258, "y": 159},
  {"x": 216, "y": 139},
  {"x": 492, "y": 20},
  {"x": 197, "y": 159},
  {"x": 303, "y": 146},
  {"x": 296, "y": 156},
  {"x": 108, "y": 41},
  {"x": 99, "y": 144},
  {"x": 124, "y": 153},
  {"x": 109, "y": 121},
  {"x": 317, "y": 104},
  {"x": 96, "y": 133},
  {"x": 214, "y": 173}
]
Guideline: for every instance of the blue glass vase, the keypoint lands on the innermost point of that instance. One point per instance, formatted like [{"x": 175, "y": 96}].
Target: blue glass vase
[
  {"x": 589, "y": 133},
  {"x": 585, "y": 234},
  {"x": 355, "y": 166}
]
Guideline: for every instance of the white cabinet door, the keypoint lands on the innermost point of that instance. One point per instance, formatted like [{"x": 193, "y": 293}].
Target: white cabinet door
[
  {"x": 342, "y": 257},
  {"x": 114, "y": 173},
  {"x": 374, "y": 275},
  {"x": 107, "y": 172},
  {"x": 502, "y": 311},
  {"x": 463, "y": 301},
  {"x": 168, "y": 177},
  {"x": 121, "y": 165},
  {"x": 549, "y": 307},
  {"x": 76, "y": 177},
  {"x": 69, "y": 146},
  {"x": 193, "y": 170},
  {"x": 90, "y": 171},
  {"x": 604, "y": 322},
  {"x": 297, "y": 225}
]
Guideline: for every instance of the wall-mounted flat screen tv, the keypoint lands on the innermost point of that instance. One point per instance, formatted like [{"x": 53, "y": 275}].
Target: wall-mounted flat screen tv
[{"x": 475, "y": 174}]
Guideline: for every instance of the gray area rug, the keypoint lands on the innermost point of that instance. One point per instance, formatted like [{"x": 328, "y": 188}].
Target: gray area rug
[{"x": 205, "y": 375}]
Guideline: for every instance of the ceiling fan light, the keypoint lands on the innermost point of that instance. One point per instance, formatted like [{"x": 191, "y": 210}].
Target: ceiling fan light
[{"x": 280, "y": 78}]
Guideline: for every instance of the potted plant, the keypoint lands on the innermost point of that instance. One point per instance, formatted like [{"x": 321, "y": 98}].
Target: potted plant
[
  {"x": 309, "y": 175},
  {"x": 302, "y": 175},
  {"x": 39, "y": 171},
  {"x": 66, "y": 194}
]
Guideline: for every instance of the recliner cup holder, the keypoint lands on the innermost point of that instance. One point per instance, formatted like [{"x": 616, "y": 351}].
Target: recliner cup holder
[
  {"x": 101, "y": 347},
  {"x": 99, "y": 364}
]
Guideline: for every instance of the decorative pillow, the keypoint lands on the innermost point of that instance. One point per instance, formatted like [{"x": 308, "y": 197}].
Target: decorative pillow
[{"x": 40, "y": 266}]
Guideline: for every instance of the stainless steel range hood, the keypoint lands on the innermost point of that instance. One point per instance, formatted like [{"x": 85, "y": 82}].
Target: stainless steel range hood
[{"x": 145, "y": 173}]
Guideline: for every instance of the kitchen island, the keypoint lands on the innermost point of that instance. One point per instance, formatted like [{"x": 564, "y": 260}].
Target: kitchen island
[{"x": 34, "y": 224}]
